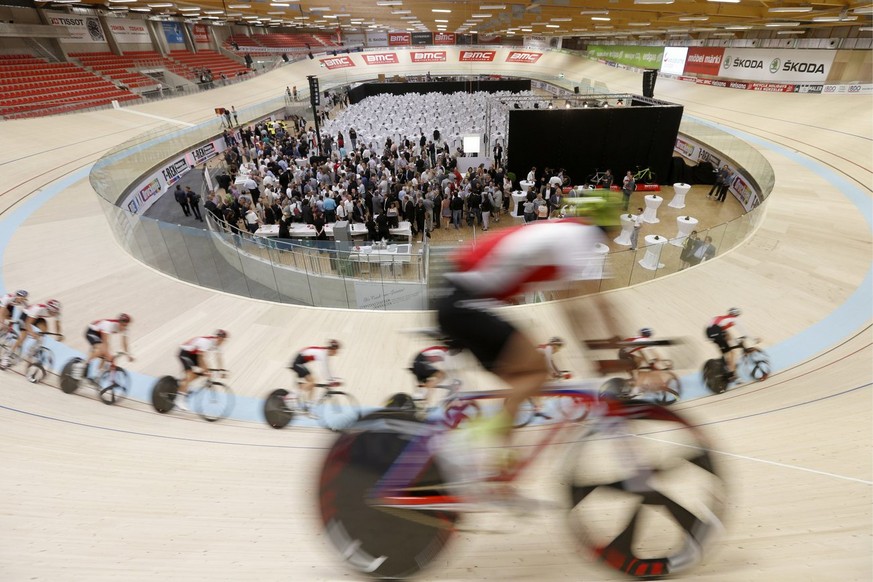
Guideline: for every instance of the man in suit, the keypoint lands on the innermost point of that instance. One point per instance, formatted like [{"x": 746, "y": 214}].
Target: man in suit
[{"x": 704, "y": 252}]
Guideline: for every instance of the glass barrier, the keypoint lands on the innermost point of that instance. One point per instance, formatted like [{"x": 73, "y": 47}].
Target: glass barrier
[{"x": 356, "y": 275}]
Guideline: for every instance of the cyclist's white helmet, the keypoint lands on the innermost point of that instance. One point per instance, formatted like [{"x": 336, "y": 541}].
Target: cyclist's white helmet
[
  {"x": 54, "y": 306},
  {"x": 647, "y": 332},
  {"x": 734, "y": 311}
]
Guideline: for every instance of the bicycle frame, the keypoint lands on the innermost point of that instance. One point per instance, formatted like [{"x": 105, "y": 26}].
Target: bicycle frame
[{"x": 390, "y": 492}]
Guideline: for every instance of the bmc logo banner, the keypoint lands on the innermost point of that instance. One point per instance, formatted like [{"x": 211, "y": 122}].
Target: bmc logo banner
[
  {"x": 523, "y": 57},
  {"x": 444, "y": 38},
  {"x": 337, "y": 62},
  {"x": 380, "y": 58},
  {"x": 428, "y": 56},
  {"x": 477, "y": 56},
  {"x": 399, "y": 38}
]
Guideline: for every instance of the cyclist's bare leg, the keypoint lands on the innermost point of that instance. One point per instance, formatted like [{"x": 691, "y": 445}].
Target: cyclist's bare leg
[
  {"x": 306, "y": 386},
  {"x": 190, "y": 376},
  {"x": 523, "y": 368}
]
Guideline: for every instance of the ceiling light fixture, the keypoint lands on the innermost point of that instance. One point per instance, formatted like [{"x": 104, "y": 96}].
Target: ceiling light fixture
[
  {"x": 693, "y": 18},
  {"x": 493, "y": 7},
  {"x": 601, "y": 18},
  {"x": 442, "y": 10},
  {"x": 781, "y": 24},
  {"x": 784, "y": 32},
  {"x": 789, "y": 9}
]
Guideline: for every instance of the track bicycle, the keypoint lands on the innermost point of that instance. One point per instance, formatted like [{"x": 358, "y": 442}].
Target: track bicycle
[
  {"x": 111, "y": 384},
  {"x": 334, "y": 409},
  {"x": 657, "y": 380},
  {"x": 645, "y": 176},
  {"x": 642, "y": 492},
  {"x": 40, "y": 359},
  {"x": 208, "y": 398},
  {"x": 754, "y": 364},
  {"x": 595, "y": 180}
]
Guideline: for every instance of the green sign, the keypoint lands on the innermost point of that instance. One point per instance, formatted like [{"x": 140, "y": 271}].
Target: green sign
[{"x": 641, "y": 57}]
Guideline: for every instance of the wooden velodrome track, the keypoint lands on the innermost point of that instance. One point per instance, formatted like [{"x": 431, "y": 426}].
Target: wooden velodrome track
[{"x": 91, "y": 492}]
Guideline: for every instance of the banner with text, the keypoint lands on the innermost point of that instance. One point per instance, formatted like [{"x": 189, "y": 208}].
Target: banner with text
[
  {"x": 337, "y": 62},
  {"x": 703, "y": 60},
  {"x": 380, "y": 58},
  {"x": 377, "y": 39},
  {"x": 173, "y": 32},
  {"x": 127, "y": 30},
  {"x": 476, "y": 56},
  {"x": 427, "y": 56},
  {"x": 641, "y": 57},
  {"x": 200, "y": 34},
  {"x": 84, "y": 29},
  {"x": 444, "y": 38},
  {"x": 805, "y": 65},
  {"x": 523, "y": 57},
  {"x": 422, "y": 38},
  {"x": 399, "y": 39}
]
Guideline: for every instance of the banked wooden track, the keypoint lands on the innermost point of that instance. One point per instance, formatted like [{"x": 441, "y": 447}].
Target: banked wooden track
[{"x": 92, "y": 492}]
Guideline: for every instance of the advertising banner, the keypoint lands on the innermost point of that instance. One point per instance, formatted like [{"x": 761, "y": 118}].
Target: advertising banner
[
  {"x": 337, "y": 62},
  {"x": 703, "y": 60},
  {"x": 476, "y": 56},
  {"x": 377, "y": 39},
  {"x": 536, "y": 42},
  {"x": 380, "y": 58},
  {"x": 173, "y": 32},
  {"x": 641, "y": 57},
  {"x": 84, "y": 29},
  {"x": 399, "y": 39},
  {"x": 355, "y": 38},
  {"x": 200, "y": 34},
  {"x": 428, "y": 56},
  {"x": 767, "y": 65},
  {"x": 853, "y": 89},
  {"x": 673, "y": 62},
  {"x": 422, "y": 38},
  {"x": 523, "y": 57},
  {"x": 465, "y": 39},
  {"x": 126, "y": 30},
  {"x": 444, "y": 38}
]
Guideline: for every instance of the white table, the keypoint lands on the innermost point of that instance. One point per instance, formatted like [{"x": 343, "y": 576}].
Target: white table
[
  {"x": 650, "y": 215},
  {"x": 680, "y": 189},
  {"x": 654, "y": 244},
  {"x": 684, "y": 224},
  {"x": 299, "y": 230},
  {"x": 627, "y": 228},
  {"x": 392, "y": 258},
  {"x": 594, "y": 270},
  {"x": 525, "y": 186},
  {"x": 518, "y": 197}
]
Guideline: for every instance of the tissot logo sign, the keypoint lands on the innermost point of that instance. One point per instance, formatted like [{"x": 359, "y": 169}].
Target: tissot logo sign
[
  {"x": 428, "y": 56},
  {"x": 477, "y": 56},
  {"x": 399, "y": 38},
  {"x": 337, "y": 62},
  {"x": 444, "y": 38},
  {"x": 380, "y": 58},
  {"x": 523, "y": 57}
]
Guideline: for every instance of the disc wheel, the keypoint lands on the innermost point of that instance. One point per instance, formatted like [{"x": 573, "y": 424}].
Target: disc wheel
[
  {"x": 714, "y": 377},
  {"x": 615, "y": 388},
  {"x": 672, "y": 390},
  {"x": 115, "y": 389},
  {"x": 68, "y": 383},
  {"x": 337, "y": 410},
  {"x": 164, "y": 394},
  {"x": 648, "y": 506},
  {"x": 35, "y": 373},
  {"x": 213, "y": 402},
  {"x": 276, "y": 412},
  {"x": 383, "y": 543}
]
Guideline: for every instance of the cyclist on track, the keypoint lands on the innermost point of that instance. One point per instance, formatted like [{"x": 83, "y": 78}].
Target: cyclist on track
[
  {"x": 639, "y": 356},
  {"x": 542, "y": 255},
  {"x": 98, "y": 334},
  {"x": 721, "y": 331},
  {"x": 8, "y": 303},
  {"x": 191, "y": 355},
  {"x": 549, "y": 350},
  {"x": 306, "y": 383},
  {"x": 430, "y": 368},
  {"x": 34, "y": 322}
]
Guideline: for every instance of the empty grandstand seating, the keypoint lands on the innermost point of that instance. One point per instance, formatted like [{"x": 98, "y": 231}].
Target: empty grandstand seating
[
  {"x": 30, "y": 86},
  {"x": 280, "y": 41},
  {"x": 119, "y": 69},
  {"x": 217, "y": 63}
]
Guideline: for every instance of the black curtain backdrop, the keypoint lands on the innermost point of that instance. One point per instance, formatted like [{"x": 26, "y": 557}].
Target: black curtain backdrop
[
  {"x": 583, "y": 141},
  {"x": 369, "y": 89}
]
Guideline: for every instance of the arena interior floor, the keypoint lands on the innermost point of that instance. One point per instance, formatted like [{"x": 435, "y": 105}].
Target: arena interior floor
[{"x": 93, "y": 492}]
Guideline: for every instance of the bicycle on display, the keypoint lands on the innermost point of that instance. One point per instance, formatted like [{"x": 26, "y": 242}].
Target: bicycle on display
[
  {"x": 40, "y": 359},
  {"x": 334, "y": 409},
  {"x": 596, "y": 179},
  {"x": 754, "y": 363},
  {"x": 112, "y": 384},
  {"x": 645, "y": 176},
  {"x": 641, "y": 489},
  {"x": 208, "y": 398}
]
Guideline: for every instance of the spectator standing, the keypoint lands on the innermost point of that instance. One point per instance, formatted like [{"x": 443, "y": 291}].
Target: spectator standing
[
  {"x": 704, "y": 252},
  {"x": 720, "y": 177},
  {"x": 182, "y": 199},
  {"x": 193, "y": 202},
  {"x": 628, "y": 187},
  {"x": 728, "y": 178},
  {"x": 638, "y": 225}
]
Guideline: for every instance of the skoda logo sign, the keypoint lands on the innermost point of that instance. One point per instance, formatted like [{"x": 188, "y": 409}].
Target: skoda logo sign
[
  {"x": 774, "y": 65},
  {"x": 726, "y": 62}
]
